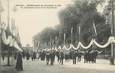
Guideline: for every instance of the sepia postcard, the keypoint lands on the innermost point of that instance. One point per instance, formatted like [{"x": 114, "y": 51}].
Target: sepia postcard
[{"x": 57, "y": 36}]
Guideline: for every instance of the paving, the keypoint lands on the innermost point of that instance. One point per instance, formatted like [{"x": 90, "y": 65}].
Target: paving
[{"x": 38, "y": 66}]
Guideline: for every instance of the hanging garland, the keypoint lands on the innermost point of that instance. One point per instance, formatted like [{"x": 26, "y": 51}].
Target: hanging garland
[
  {"x": 93, "y": 42},
  {"x": 10, "y": 41}
]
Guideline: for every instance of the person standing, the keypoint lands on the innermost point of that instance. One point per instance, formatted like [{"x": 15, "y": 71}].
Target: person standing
[
  {"x": 52, "y": 57},
  {"x": 47, "y": 56},
  {"x": 33, "y": 56},
  {"x": 19, "y": 63},
  {"x": 79, "y": 54},
  {"x": 27, "y": 56},
  {"x": 61, "y": 57},
  {"x": 74, "y": 56}
]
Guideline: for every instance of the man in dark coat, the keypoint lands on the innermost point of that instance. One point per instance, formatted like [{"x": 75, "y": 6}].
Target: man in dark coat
[
  {"x": 86, "y": 55},
  {"x": 42, "y": 56},
  {"x": 52, "y": 57},
  {"x": 61, "y": 57},
  {"x": 27, "y": 56},
  {"x": 79, "y": 55},
  {"x": 58, "y": 56},
  {"x": 34, "y": 56},
  {"x": 19, "y": 63},
  {"x": 47, "y": 56},
  {"x": 74, "y": 56}
]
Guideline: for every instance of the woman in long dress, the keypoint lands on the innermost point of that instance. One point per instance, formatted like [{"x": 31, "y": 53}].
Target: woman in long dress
[{"x": 19, "y": 63}]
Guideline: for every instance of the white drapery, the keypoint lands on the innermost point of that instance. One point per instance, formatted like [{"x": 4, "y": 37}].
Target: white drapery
[{"x": 10, "y": 41}]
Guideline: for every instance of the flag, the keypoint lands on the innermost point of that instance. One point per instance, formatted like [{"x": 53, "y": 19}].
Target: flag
[
  {"x": 79, "y": 30},
  {"x": 64, "y": 37},
  {"x": 8, "y": 31},
  {"x": 18, "y": 37},
  {"x": 95, "y": 29},
  {"x": 13, "y": 28},
  {"x": 38, "y": 44},
  {"x": 9, "y": 39},
  {"x": 71, "y": 33},
  {"x": 71, "y": 30},
  {"x": 9, "y": 36},
  {"x": 4, "y": 43},
  {"x": 58, "y": 38},
  {"x": 6, "y": 35},
  {"x": 15, "y": 33}
]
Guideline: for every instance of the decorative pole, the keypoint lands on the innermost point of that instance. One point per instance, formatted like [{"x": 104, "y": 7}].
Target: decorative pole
[
  {"x": 1, "y": 10},
  {"x": 8, "y": 19},
  {"x": 0, "y": 40},
  {"x": 112, "y": 33}
]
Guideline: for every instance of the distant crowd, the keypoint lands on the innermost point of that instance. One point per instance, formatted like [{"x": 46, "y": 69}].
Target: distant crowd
[{"x": 49, "y": 55}]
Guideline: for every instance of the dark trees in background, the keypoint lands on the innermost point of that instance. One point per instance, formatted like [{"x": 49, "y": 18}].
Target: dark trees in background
[{"x": 82, "y": 13}]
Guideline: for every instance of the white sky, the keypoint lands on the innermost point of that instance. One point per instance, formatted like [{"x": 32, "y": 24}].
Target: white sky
[{"x": 32, "y": 21}]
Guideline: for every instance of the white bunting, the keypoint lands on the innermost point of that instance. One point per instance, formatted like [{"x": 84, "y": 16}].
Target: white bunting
[{"x": 92, "y": 42}]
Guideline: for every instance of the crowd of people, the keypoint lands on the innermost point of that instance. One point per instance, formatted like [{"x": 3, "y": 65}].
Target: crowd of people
[{"x": 49, "y": 55}]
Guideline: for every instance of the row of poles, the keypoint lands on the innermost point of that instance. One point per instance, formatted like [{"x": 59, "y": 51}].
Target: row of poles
[
  {"x": 1, "y": 10},
  {"x": 112, "y": 33},
  {"x": 94, "y": 27}
]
